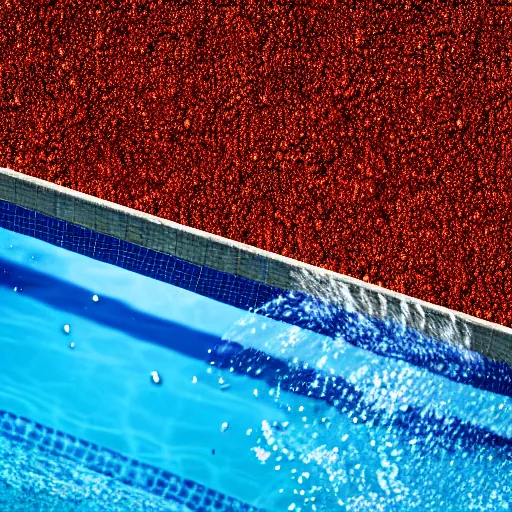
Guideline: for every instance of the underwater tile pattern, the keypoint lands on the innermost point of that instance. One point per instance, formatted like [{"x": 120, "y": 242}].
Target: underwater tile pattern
[
  {"x": 234, "y": 290},
  {"x": 130, "y": 472}
]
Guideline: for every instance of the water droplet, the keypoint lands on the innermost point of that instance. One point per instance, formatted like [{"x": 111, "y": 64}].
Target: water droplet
[
  {"x": 155, "y": 378},
  {"x": 95, "y": 298},
  {"x": 72, "y": 344},
  {"x": 224, "y": 426},
  {"x": 194, "y": 380},
  {"x": 261, "y": 454},
  {"x": 67, "y": 328}
]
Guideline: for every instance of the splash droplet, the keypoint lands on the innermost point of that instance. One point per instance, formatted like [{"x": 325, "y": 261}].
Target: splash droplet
[{"x": 155, "y": 378}]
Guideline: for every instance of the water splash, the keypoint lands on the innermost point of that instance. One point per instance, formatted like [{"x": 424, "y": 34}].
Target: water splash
[
  {"x": 384, "y": 434},
  {"x": 380, "y": 336},
  {"x": 359, "y": 299}
]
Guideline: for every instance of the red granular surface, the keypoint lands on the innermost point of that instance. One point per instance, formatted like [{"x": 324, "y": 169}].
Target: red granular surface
[{"x": 369, "y": 137}]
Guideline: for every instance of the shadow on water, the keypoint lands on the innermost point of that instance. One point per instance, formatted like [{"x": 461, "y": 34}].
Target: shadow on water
[{"x": 113, "y": 313}]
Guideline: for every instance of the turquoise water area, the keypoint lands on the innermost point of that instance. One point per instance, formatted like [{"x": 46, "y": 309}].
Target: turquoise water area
[{"x": 79, "y": 340}]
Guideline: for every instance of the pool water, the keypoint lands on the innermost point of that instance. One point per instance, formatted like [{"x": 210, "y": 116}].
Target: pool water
[{"x": 127, "y": 367}]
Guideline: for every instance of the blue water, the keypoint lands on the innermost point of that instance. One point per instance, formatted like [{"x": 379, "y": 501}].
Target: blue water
[{"x": 400, "y": 438}]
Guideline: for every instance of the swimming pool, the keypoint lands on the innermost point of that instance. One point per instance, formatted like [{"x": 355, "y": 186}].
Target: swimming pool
[{"x": 122, "y": 390}]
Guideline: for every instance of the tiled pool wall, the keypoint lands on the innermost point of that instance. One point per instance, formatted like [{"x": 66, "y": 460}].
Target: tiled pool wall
[
  {"x": 379, "y": 335},
  {"x": 210, "y": 265},
  {"x": 131, "y": 472}
]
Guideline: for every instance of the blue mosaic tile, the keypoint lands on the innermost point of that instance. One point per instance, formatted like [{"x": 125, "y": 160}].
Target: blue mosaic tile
[
  {"x": 228, "y": 288},
  {"x": 267, "y": 293},
  {"x": 185, "y": 275},
  {"x": 128, "y": 471}
]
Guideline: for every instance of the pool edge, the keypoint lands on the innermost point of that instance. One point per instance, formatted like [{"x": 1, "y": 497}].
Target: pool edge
[{"x": 225, "y": 255}]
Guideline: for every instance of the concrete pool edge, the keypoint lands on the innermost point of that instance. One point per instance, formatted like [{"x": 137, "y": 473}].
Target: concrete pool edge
[{"x": 201, "y": 248}]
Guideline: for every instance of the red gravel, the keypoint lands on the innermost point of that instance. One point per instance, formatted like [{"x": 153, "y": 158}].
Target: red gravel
[{"x": 370, "y": 139}]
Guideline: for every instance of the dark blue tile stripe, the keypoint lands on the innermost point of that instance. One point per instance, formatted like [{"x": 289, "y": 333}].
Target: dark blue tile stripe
[
  {"x": 227, "y": 288},
  {"x": 195, "y": 496},
  {"x": 389, "y": 339},
  {"x": 382, "y": 337}
]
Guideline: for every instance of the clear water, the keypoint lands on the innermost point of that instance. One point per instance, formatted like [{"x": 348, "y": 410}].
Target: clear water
[{"x": 236, "y": 435}]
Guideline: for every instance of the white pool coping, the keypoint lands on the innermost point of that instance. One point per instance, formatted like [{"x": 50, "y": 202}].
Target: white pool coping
[{"x": 201, "y": 248}]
